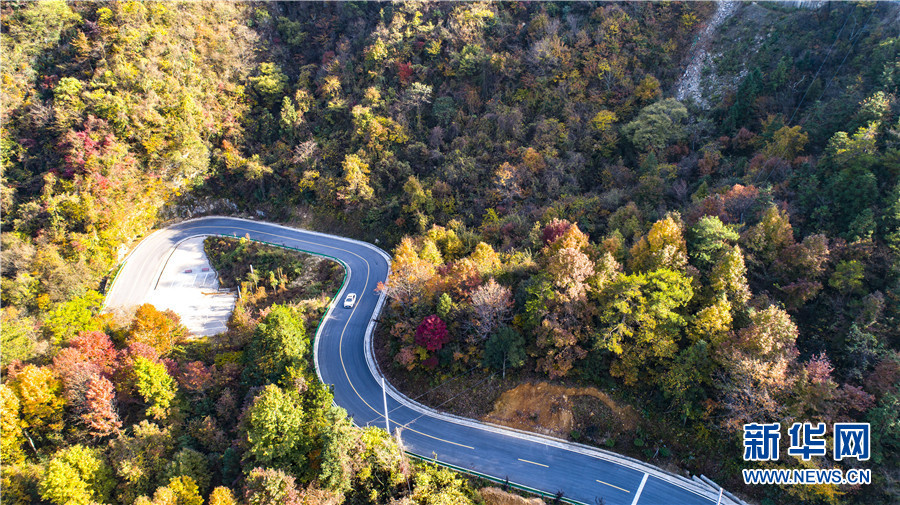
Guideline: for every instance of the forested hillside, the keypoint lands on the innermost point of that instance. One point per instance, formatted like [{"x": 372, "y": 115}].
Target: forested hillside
[{"x": 554, "y": 213}]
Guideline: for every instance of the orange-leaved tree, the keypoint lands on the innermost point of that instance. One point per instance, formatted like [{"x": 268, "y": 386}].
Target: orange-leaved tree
[{"x": 160, "y": 330}]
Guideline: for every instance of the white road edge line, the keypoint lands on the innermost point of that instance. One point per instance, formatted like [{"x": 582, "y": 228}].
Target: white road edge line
[{"x": 637, "y": 494}]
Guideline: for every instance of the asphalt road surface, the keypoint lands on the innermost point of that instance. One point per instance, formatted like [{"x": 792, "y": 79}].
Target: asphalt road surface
[{"x": 344, "y": 359}]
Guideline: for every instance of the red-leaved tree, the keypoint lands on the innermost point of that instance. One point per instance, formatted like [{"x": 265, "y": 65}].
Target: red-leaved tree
[
  {"x": 100, "y": 416},
  {"x": 404, "y": 72},
  {"x": 195, "y": 377},
  {"x": 432, "y": 333},
  {"x": 97, "y": 348},
  {"x": 554, "y": 229}
]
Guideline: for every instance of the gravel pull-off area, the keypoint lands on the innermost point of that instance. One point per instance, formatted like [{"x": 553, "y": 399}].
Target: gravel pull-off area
[
  {"x": 189, "y": 286},
  {"x": 689, "y": 84}
]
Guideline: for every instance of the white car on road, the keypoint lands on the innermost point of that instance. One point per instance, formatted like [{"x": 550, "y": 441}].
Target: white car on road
[{"x": 350, "y": 300}]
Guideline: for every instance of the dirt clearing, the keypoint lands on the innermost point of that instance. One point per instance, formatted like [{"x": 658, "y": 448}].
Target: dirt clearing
[
  {"x": 561, "y": 411},
  {"x": 496, "y": 496}
]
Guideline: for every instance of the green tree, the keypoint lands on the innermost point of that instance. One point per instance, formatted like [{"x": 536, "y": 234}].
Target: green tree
[
  {"x": 890, "y": 219},
  {"x": 67, "y": 319},
  {"x": 684, "y": 383},
  {"x": 712, "y": 323},
  {"x": 858, "y": 149},
  {"x": 291, "y": 31},
  {"x": 505, "y": 348},
  {"x": 662, "y": 247},
  {"x": 291, "y": 118},
  {"x": 852, "y": 193},
  {"x": 707, "y": 239},
  {"x": 484, "y": 257},
  {"x": 419, "y": 200},
  {"x": 642, "y": 320},
  {"x": 767, "y": 239},
  {"x": 657, "y": 125},
  {"x": 861, "y": 352},
  {"x": 355, "y": 188},
  {"x": 848, "y": 277},
  {"x": 431, "y": 252},
  {"x": 439, "y": 486},
  {"x": 18, "y": 336},
  {"x": 538, "y": 292},
  {"x": 443, "y": 109},
  {"x": 21, "y": 483},
  {"x": 376, "y": 53},
  {"x": 729, "y": 275},
  {"x": 77, "y": 475},
  {"x": 140, "y": 458},
  {"x": 470, "y": 59},
  {"x": 67, "y": 100},
  {"x": 270, "y": 83},
  {"x": 886, "y": 424},
  {"x": 787, "y": 143},
  {"x": 444, "y": 306},
  {"x": 41, "y": 26},
  {"x": 740, "y": 111},
  {"x": 339, "y": 444},
  {"x": 416, "y": 96},
  {"x": 155, "y": 386},
  {"x": 382, "y": 465},
  {"x": 279, "y": 343},
  {"x": 193, "y": 464},
  {"x": 274, "y": 427},
  {"x": 602, "y": 124}
]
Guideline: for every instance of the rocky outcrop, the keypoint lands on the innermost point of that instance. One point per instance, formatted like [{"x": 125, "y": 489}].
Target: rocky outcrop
[{"x": 689, "y": 84}]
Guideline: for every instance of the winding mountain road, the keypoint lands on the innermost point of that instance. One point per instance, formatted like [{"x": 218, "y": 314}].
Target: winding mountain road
[{"x": 344, "y": 358}]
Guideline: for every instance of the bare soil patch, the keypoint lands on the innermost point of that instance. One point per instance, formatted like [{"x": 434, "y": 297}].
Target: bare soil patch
[
  {"x": 562, "y": 411},
  {"x": 497, "y": 496}
]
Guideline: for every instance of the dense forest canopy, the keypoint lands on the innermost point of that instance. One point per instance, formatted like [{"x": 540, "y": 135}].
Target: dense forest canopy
[{"x": 553, "y": 211}]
